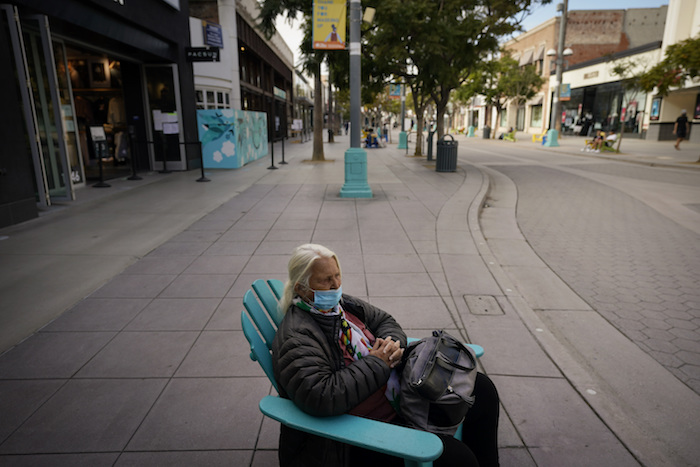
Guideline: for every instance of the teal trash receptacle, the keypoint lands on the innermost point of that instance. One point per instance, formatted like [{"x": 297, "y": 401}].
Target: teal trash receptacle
[{"x": 446, "y": 154}]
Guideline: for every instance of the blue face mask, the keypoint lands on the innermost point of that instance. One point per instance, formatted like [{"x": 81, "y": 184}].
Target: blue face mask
[{"x": 327, "y": 299}]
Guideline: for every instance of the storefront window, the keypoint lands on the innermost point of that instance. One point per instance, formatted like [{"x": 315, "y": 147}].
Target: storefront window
[
  {"x": 520, "y": 119},
  {"x": 98, "y": 97},
  {"x": 214, "y": 99},
  {"x": 632, "y": 112},
  {"x": 536, "y": 116},
  {"x": 603, "y": 107},
  {"x": 504, "y": 118}
]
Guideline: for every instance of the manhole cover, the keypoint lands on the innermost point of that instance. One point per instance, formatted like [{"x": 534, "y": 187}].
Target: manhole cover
[{"x": 483, "y": 305}]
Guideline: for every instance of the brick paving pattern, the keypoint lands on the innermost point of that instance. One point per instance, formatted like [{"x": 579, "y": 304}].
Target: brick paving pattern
[{"x": 637, "y": 268}]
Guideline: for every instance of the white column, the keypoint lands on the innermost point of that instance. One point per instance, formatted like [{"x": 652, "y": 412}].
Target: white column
[{"x": 227, "y": 18}]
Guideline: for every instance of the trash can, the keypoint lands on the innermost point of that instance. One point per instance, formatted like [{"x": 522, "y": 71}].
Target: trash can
[
  {"x": 487, "y": 132},
  {"x": 446, "y": 154}
]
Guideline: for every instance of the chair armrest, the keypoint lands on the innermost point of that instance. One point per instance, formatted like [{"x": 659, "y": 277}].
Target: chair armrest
[{"x": 414, "y": 445}]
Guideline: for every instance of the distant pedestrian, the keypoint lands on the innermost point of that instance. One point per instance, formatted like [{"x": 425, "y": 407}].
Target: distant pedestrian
[{"x": 681, "y": 129}]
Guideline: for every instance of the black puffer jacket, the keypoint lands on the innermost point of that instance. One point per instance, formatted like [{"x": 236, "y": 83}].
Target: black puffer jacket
[{"x": 309, "y": 369}]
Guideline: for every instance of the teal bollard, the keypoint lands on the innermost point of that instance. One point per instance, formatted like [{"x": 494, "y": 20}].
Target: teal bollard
[
  {"x": 552, "y": 137},
  {"x": 403, "y": 140}
]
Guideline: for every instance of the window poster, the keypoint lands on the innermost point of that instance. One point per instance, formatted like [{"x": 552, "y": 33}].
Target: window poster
[{"x": 655, "y": 109}]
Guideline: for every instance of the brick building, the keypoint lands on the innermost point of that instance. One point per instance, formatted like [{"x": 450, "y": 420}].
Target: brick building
[{"x": 595, "y": 37}]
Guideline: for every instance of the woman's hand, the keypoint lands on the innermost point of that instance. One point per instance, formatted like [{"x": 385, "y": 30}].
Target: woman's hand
[{"x": 388, "y": 350}]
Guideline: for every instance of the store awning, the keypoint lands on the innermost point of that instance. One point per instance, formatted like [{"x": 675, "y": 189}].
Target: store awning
[
  {"x": 540, "y": 54},
  {"x": 526, "y": 58}
]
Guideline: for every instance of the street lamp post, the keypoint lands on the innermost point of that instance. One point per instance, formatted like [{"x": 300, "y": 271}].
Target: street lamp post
[
  {"x": 403, "y": 139},
  {"x": 356, "y": 185},
  {"x": 553, "y": 134}
]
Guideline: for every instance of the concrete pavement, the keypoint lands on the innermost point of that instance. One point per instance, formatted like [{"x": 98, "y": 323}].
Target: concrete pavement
[{"x": 142, "y": 361}]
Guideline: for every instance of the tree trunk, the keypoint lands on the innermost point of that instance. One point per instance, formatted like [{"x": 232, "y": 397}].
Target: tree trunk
[
  {"x": 331, "y": 131},
  {"x": 317, "y": 154},
  {"x": 440, "y": 130},
  {"x": 420, "y": 119},
  {"x": 497, "y": 124},
  {"x": 619, "y": 139},
  {"x": 441, "y": 106}
]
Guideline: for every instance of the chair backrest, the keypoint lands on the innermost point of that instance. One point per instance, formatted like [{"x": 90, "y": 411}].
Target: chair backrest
[{"x": 266, "y": 318}]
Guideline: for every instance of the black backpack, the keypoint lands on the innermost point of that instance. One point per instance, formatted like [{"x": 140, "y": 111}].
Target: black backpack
[{"x": 437, "y": 382}]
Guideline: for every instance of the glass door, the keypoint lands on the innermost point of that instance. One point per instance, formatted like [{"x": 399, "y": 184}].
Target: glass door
[
  {"x": 165, "y": 130},
  {"x": 68, "y": 116},
  {"x": 49, "y": 111},
  {"x": 29, "y": 114}
]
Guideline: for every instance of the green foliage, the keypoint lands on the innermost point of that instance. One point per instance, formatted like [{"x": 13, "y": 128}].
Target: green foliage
[
  {"x": 681, "y": 62},
  {"x": 501, "y": 80},
  {"x": 631, "y": 72},
  {"x": 436, "y": 45}
]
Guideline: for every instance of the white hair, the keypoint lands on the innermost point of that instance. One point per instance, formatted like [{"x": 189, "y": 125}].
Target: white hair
[{"x": 299, "y": 266}]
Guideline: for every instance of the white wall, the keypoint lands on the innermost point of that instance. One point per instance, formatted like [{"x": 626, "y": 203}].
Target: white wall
[{"x": 214, "y": 74}]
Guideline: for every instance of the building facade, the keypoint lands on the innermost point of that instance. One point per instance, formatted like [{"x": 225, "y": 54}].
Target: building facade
[
  {"x": 682, "y": 22},
  {"x": 529, "y": 49},
  {"x": 103, "y": 76},
  {"x": 593, "y": 97},
  {"x": 254, "y": 73},
  {"x": 113, "y": 90}
]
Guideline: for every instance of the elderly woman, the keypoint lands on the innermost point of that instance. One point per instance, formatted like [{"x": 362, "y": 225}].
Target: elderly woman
[{"x": 334, "y": 354}]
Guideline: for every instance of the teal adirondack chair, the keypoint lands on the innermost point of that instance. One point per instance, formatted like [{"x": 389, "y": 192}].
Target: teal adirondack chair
[{"x": 417, "y": 448}]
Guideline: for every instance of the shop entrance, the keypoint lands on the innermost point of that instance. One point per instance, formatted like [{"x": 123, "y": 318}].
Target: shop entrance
[
  {"x": 167, "y": 151},
  {"x": 71, "y": 90},
  {"x": 48, "y": 101},
  {"x": 98, "y": 96}
]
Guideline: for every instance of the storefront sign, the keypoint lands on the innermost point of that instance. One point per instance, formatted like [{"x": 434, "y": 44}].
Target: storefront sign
[
  {"x": 280, "y": 93},
  {"x": 329, "y": 19},
  {"x": 170, "y": 128},
  {"x": 163, "y": 121},
  {"x": 592, "y": 74},
  {"x": 97, "y": 133},
  {"x": 202, "y": 54},
  {"x": 213, "y": 35}
]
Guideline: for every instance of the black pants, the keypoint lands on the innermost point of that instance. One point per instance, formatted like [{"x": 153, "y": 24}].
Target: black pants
[{"x": 479, "y": 445}]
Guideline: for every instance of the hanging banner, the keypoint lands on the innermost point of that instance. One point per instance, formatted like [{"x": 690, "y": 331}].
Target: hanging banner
[
  {"x": 565, "y": 92},
  {"x": 394, "y": 91},
  {"x": 329, "y": 24}
]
